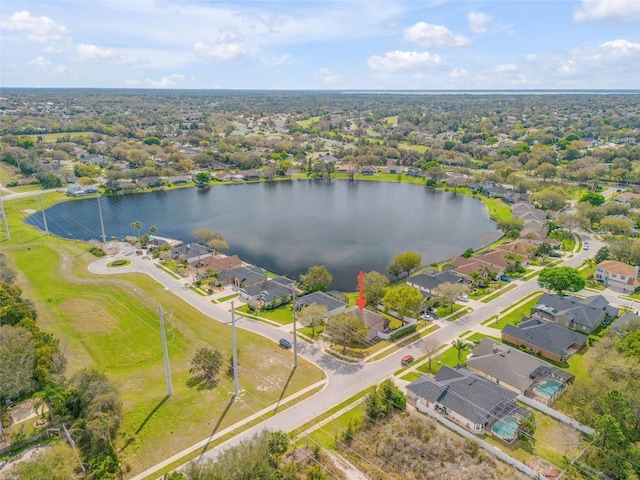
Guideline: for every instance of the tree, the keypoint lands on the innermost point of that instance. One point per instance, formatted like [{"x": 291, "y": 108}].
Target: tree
[
  {"x": 602, "y": 255},
  {"x": 461, "y": 346},
  {"x": 17, "y": 362},
  {"x": 569, "y": 221},
  {"x": 589, "y": 214},
  {"x": 211, "y": 238},
  {"x": 594, "y": 198},
  {"x": 449, "y": 292},
  {"x": 51, "y": 180},
  {"x": 382, "y": 400},
  {"x": 312, "y": 316},
  {"x": 137, "y": 226},
  {"x": 345, "y": 329},
  {"x": 202, "y": 178},
  {"x": 545, "y": 171},
  {"x": 404, "y": 263},
  {"x": 617, "y": 226},
  {"x": 54, "y": 397},
  {"x": 552, "y": 198},
  {"x": 561, "y": 279},
  {"x": 431, "y": 346},
  {"x": 406, "y": 301},
  {"x": 208, "y": 362},
  {"x": 511, "y": 227},
  {"x": 316, "y": 278},
  {"x": 374, "y": 285}
]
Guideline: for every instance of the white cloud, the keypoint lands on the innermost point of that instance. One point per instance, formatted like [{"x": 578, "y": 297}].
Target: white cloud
[
  {"x": 329, "y": 76},
  {"x": 105, "y": 55},
  {"x": 276, "y": 60},
  {"x": 530, "y": 57},
  {"x": 479, "y": 22},
  {"x": 219, "y": 51},
  {"x": 428, "y": 35},
  {"x": 609, "y": 57},
  {"x": 47, "y": 66},
  {"x": 506, "y": 68},
  {"x": 132, "y": 83},
  {"x": 166, "y": 81},
  {"x": 399, "y": 60},
  {"x": 38, "y": 29},
  {"x": 592, "y": 10},
  {"x": 52, "y": 49},
  {"x": 459, "y": 73}
]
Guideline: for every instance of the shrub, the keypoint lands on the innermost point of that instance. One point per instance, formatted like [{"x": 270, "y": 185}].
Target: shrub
[
  {"x": 402, "y": 333},
  {"x": 97, "y": 251}
]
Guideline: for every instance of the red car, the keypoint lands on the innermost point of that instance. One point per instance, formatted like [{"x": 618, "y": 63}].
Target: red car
[{"x": 406, "y": 360}]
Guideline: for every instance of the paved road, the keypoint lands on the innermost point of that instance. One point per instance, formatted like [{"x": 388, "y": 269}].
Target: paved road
[{"x": 344, "y": 380}]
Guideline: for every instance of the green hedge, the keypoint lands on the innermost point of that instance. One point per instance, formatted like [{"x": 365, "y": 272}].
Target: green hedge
[{"x": 402, "y": 333}]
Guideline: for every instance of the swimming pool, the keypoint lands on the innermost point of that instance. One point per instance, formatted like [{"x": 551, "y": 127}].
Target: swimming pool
[
  {"x": 506, "y": 428},
  {"x": 549, "y": 388}
]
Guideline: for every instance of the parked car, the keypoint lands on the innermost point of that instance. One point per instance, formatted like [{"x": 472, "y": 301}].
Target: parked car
[
  {"x": 504, "y": 278},
  {"x": 463, "y": 298},
  {"x": 555, "y": 255},
  {"x": 585, "y": 246},
  {"x": 406, "y": 360},
  {"x": 284, "y": 343}
]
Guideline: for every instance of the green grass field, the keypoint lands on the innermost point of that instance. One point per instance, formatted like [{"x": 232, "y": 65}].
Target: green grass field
[
  {"x": 53, "y": 137},
  {"x": 307, "y": 123},
  {"x": 514, "y": 317},
  {"x": 111, "y": 323}
]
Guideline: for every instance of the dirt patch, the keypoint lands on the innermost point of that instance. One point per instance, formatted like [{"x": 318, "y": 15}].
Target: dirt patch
[{"x": 87, "y": 316}]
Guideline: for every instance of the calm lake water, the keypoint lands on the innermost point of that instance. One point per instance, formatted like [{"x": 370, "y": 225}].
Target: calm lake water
[{"x": 286, "y": 227}]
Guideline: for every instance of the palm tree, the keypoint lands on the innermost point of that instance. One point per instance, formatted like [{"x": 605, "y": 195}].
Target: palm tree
[
  {"x": 461, "y": 346},
  {"x": 53, "y": 396},
  {"x": 153, "y": 229},
  {"x": 137, "y": 225}
]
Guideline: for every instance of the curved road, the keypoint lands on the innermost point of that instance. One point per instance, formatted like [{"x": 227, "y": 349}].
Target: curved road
[{"x": 344, "y": 380}]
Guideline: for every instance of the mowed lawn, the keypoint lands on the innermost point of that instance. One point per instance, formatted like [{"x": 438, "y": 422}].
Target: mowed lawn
[{"x": 112, "y": 324}]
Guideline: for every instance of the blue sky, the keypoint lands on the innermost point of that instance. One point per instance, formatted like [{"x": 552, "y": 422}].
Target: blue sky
[{"x": 306, "y": 44}]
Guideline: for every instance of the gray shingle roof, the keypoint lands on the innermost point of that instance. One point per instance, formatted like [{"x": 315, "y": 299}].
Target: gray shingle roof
[
  {"x": 545, "y": 336},
  {"x": 509, "y": 365},
  {"x": 431, "y": 282},
  {"x": 319, "y": 298},
  {"x": 463, "y": 392},
  {"x": 246, "y": 275},
  {"x": 586, "y": 311},
  {"x": 270, "y": 290}
]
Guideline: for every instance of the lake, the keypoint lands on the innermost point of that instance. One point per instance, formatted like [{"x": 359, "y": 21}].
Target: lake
[{"x": 286, "y": 227}]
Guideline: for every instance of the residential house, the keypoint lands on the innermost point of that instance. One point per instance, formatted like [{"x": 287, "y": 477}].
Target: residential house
[
  {"x": 526, "y": 210},
  {"x": 268, "y": 293},
  {"x": 468, "y": 399},
  {"x": 622, "y": 324},
  {"x": 80, "y": 190},
  {"x": 369, "y": 170},
  {"x": 347, "y": 168},
  {"x": 216, "y": 263},
  {"x": 414, "y": 172},
  {"x": 486, "y": 266},
  {"x": 191, "y": 252},
  {"x": 252, "y": 175},
  {"x": 216, "y": 165},
  {"x": 617, "y": 275},
  {"x": 180, "y": 179},
  {"x": 582, "y": 314},
  {"x": 456, "y": 179},
  {"x": 152, "y": 182},
  {"x": 488, "y": 189},
  {"x": 430, "y": 283},
  {"x": 626, "y": 197},
  {"x": 395, "y": 169},
  {"x": 535, "y": 224},
  {"x": 543, "y": 338},
  {"x": 374, "y": 322},
  {"x": 512, "y": 197},
  {"x": 518, "y": 371},
  {"x": 236, "y": 177},
  {"x": 538, "y": 237},
  {"x": 328, "y": 158},
  {"x": 244, "y": 276},
  {"x": 520, "y": 246},
  {"x": 334, "y": 306},
  {"x": 224, "y": 176}
]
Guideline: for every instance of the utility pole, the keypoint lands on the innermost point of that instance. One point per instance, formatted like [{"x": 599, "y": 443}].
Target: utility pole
[
  {"x": 4, "y": 218},
  {"x": 104, "y": 237},
  {"x": 167, "y": 371},
  {"x": 44, "y": 217},
  {"x": 236, "y": 386},
  {"x": 295, "y": 336}
]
